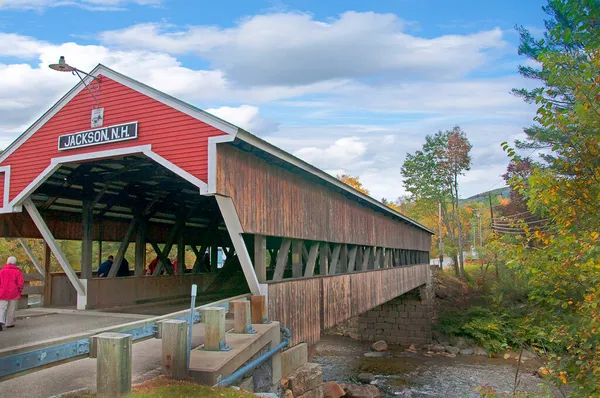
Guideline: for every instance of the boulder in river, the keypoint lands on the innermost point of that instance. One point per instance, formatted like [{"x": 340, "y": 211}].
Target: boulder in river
[
  {"x": 366, "y": 377},
  {"x": 331, "y": 389},
  {"x": 361, "y": 390},
  {"x": 466, "y": 351},
  {"x": 452, "y": 349},
  {"x": 371, "y": 354},
  {"x": 437, "y": 348},
  {"x": 480, "y": 351},
  {"x": 379, "y": 346}
]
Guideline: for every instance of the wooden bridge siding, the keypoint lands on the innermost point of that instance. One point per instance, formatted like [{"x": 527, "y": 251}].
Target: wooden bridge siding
[
  {"x": 297, "y": 305},
  {"x": 309, "y": 306},
  {"x": 273, "y": 201}
]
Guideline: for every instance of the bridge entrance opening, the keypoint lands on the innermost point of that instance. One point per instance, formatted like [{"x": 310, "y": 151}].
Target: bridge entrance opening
[{"x": 162, "y": 233}]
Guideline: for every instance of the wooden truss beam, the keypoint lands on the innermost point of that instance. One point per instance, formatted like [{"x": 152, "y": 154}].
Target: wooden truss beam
[
  {"x": 311, "y": 260},
  {"x": 282, "y": 259}
]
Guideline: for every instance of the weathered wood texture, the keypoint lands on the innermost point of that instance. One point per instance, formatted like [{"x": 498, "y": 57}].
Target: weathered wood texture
[
  {"x": 174, "y": 349},
  {"x": 271, "y": 200},
  {"x": 113, "y": 366},
  {"x": 309, "y": 306}
]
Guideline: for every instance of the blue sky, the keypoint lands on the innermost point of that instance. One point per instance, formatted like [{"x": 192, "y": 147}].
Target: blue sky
[{"x": 349, "y": 86}]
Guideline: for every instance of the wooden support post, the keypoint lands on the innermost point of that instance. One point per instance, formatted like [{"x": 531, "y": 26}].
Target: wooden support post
[
  {"x": 377, "y": 258},
  {"x": 181, "y": 253},
  {"x": 282, "y": 258},
  {"x": 123, "y": 248},
  {"x": 242, "y": 317},
  {"x": 343, "y": 264},
  {"x": 140, "y": 248},
  {"x": 324, "y": 259},
  {"x": 297, "y": 258},
  {"x": 214, "y": 328},
  {"x": 54, "y": 247},
  {"x": 258, "y": 306},
  {"x": 199, "y": 263},
  {"x": 86, "y": 238},
  {"x": 311, "y": 260},
  {"x": 260, "y": 257},
  {"x": 385, "y": 258},
  {"x": 214, "y": 257},
  {"x": 113, "y": 366},
  {"x": 335, "y": 258},
  {"x": 174, "y": 334},
  {"x": 365, "y": 262},
  {"x": 48, "y": 276},
  {"x": 352, "y": 258}
]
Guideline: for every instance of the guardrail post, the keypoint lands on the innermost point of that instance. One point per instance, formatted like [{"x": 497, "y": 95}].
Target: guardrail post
[
  {"x": 113, "y": 366},
  {"x": 214, "y": 329},
  {"x": 242, "y": 322},
  {"x": 174, "y": 349},
  {"x": 259, "y": 309}
]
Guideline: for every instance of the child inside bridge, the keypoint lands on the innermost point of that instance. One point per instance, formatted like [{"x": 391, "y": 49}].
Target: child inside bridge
[{"x": 11, "y": 287}]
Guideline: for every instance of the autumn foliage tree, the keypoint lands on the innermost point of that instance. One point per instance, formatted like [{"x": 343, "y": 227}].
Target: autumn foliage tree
[
  {"x": 561, "y": 263},
  {"x": 354, "y": 182},
  {"x": 432, "y": 174}
]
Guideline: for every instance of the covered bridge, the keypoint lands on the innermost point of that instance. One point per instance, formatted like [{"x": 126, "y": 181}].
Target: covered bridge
[{"x": 133, "y": 165}]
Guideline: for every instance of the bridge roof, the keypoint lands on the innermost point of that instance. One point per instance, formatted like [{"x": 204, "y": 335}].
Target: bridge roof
[{"x": 234, "y": 131}]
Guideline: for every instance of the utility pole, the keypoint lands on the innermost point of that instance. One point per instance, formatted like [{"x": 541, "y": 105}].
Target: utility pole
[{"x": 440, "y": 235}]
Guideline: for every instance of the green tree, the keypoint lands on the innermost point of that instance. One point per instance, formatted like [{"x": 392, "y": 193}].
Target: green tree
[{"x": 432, "y": 174}]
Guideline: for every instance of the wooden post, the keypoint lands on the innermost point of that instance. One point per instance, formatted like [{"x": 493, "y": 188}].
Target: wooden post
[
  {"x": 174, "y": 349},
  {"x": 214, "y": 257},
  {"x": 180, "y": 253},
  {"x": 366, "y": 258},
  {"x": 214, "y": 328},
  {"x": 297, "y": 258},
  {"x": 258, "y": 306},
  {"x": 48, "y": 276},
  {"x": 282, "y": 258},
  {"x": 113, "y": 366},
  {"x": 100, "y": 233},
  {"x": 86, "y": 239},
  {"x": 242, "y": 320},
  {"x": 260, "y": 257},
  {"x": 324, "y": 259},
  {"x": 343, "y": 265},
  {"x": 140, "y": 248}
]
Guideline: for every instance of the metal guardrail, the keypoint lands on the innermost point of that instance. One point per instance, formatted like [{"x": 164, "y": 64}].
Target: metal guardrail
[{"x": 78, "y": 346}]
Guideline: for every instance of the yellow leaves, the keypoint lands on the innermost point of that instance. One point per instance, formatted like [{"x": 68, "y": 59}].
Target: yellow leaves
[
  {"x": 354, "y": 182},
  {"x": 595, "y": 235},
  {"x": 563, "y": 377}
]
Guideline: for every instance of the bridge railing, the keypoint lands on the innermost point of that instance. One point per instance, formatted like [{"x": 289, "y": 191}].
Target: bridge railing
[
  {"x": 312, "y": 305},
  {"x": 30, "y": 357}
]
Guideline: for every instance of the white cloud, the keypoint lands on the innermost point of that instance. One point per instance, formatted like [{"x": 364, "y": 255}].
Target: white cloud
[
  {"x": 247, "y": 117},
  {"x": 92, "y": 5},
  {"x": 295, "y": 48},
  {"x": 342, "y": 152}
]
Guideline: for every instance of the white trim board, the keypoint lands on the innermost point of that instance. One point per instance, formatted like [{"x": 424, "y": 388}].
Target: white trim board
[
  {"x": 5, "y": 199},
  {"x": 135, "y": 85},
  {"x": 212, "y": 161},
  {"x": 146, "y": 150}
]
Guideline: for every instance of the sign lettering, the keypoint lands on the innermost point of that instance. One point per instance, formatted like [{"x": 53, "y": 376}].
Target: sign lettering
[{"x": 104, "y": 135}]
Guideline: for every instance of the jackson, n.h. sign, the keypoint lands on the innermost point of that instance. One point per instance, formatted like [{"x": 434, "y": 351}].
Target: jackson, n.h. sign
[{"x": 104, "y": 135}]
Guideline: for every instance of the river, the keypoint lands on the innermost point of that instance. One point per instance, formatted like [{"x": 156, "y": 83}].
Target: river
[{"x": 401, "y": 373}]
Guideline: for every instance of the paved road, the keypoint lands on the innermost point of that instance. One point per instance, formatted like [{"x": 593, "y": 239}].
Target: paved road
[
  {"x": 53, "y": 325},
  {"x": 82, "y": 373}
]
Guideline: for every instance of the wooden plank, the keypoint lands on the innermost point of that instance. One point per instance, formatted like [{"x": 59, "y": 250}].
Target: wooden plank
[
  {"x": 28, "y": 289},
  {"x": 258, "y": 309},
  {"x": 113, "y": 366},
  {"x": 123, "y": 248},
  {"x": 260, "y": 257},
  {"x": 342, "y": 266},
  {"x": 174, "y": 348},
  {"x": 377, "y": 258},
  {"x": 365, "y": 262},
  {"x": 282, "y": 258},
  {"x": 297, "y": 246},
  {"x": 324, "y": 259},
  {"x": 47, "y": 301},
  {"x": 311, "y": 260},
  {"x": 140, "y": 248},
  {"x": 335, "y": 257},
  {"x": 180, "y": 253},
  {"x": 214, "y": 329},
  {"x": 87, "y": 238},
  {"x": 242, "y": 317},
  {"x": 352, "y": 258}
]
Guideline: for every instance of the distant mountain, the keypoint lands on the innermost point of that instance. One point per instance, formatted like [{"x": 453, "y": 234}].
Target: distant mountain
[{"x": 481, "y": 197}]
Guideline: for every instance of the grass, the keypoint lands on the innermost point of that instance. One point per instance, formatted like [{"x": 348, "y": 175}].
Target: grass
[{"x": 162, "y": 387}]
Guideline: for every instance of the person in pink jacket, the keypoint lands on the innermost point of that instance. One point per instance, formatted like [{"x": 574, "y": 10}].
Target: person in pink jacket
[{"x": 11, "y": 286}]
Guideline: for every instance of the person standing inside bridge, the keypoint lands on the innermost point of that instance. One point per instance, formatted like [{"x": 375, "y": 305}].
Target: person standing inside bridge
[
  {"x": 105, "y": 267},
  {"x": 11, "y": 287}
]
